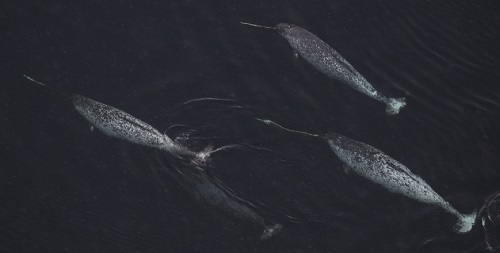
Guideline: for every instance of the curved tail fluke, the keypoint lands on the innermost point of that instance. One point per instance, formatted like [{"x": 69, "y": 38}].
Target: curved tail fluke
[
  {"x": 270, "y": 230},
  {"x": 465, "y": 223},
  {"x": 394, "y": 105}
]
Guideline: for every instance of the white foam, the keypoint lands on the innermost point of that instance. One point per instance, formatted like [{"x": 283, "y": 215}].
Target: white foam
[{"x": 394, "y": 105}]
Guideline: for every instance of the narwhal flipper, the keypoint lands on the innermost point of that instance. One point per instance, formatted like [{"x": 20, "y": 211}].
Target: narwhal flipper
[{"x": 346, "y": 169}]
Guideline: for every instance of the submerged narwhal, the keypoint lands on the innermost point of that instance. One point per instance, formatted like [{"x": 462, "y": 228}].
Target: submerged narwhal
[
  {"x": 119, "y": 124},
  {"x": 325, "y": 59},
  {"x": 382, "y": 169},
  {"x": 207, "y": 189}
]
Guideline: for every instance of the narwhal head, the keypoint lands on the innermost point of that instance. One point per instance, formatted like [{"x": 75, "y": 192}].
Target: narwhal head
[
  {"x": 335, "y": 139},
  {"x": 333, "y": 136},
  {"x": 284, "y": 28}
]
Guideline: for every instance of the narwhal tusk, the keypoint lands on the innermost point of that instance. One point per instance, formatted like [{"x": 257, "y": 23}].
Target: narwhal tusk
[
  {"x": 260, "y": 26},
  {"x": 270, "y": 122}
]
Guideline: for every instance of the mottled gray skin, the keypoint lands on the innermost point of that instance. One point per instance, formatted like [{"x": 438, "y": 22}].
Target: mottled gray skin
[
  {"x": 378, "y": 167},
  {"x": 324, "y": 58},
  {"x": 119, "y": 124}
]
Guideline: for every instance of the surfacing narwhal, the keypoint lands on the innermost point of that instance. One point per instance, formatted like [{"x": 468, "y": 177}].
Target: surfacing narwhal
[
  {"x": 325, "y": 59},
  {"x": 119, "y": 124},
  {"x": 384, "y": 170}
]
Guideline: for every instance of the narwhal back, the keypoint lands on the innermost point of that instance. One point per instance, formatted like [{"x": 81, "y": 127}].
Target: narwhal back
[
  {"x": 318, "y": 53},
  {"x": 119, "y": 124}
]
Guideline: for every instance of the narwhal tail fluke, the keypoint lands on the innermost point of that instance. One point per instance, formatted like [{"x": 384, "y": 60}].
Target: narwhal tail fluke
[
  {"x": 465, "y": 223},
  {"x": 394, "y": 105},
  {"x": 270, "y": 230}
]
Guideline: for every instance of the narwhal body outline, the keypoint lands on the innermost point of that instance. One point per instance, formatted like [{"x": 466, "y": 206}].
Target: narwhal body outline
[
  {"x": 329, "y": 62},
  {"x": 207, "y": 189},
  {"x": 376, "y": 166},
  {"x": 373, "y": 164},
  {"x": 119, "y": 124}
]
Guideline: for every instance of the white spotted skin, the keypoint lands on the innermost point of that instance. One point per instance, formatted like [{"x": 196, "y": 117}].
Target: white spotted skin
[
  {"x": 378, "y": 167},
  {"x": 325, "y": 59},
  {"x": 119, "y": 124}
]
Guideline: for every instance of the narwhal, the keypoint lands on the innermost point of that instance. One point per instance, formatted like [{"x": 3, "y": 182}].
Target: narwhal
[
  {"x": 384, "y": 170},
  {"x": 119, "y": 124},
  {"x": 207, "y": 189},
  {"x": 325, "y": 59}
]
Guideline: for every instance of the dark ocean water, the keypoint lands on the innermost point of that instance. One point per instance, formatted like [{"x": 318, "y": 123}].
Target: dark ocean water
[{"x": 64, "y": 188}]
